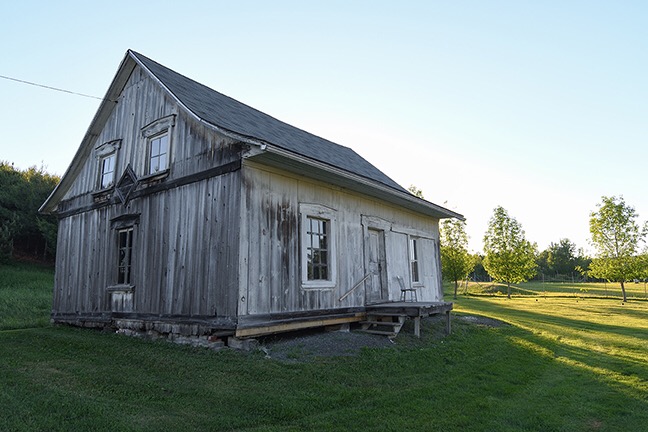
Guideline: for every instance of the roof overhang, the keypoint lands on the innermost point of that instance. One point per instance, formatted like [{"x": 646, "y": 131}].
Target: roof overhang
[
  {"x": 285, "y": 160},
  {"x": 105, "y": 109}
]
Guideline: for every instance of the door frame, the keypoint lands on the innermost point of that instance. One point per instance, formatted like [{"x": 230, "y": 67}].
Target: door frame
[{"x": 382, "y": 262}]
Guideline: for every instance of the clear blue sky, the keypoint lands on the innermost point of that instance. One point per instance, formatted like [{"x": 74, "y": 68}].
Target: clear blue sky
[{"x": 540, "y": 107}]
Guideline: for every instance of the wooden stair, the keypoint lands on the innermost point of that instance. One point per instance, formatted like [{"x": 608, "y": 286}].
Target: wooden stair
[{"x": 385, "y": 324}]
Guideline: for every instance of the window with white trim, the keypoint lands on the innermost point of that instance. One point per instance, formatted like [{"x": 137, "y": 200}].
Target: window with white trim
[
  {"x": 318, "y": 246},
  {"x": 106, "y": 154},
  {"x": 158, "y": 153},
  {"x": 107, "y": 171},
  {"x": 414, "y": 260},
  {"x": 158, "y": 145}
]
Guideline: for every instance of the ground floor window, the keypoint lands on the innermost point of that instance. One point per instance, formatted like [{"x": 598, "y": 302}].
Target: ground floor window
[
  {"x": 414, "y": 260},
  {"x": 125, "y": 246},
  {"x": 317, "y": 251},
  {"x": 318, "y": 259}
]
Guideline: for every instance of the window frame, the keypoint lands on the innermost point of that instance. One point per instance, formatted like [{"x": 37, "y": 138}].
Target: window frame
[
  {"x": 103, "y": 152},
  {"x": 152, "y": 132},
  {"x": 414, "y": 252},
  {"x": 127, "y": 279},
  {"x": 103, "y": 172},
  {"x": 150, "y": 156},
  {"x": 310, "y": 212}
]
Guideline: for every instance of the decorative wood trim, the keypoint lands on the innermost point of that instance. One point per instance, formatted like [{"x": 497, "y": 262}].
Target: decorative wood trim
[
  {"x": 182, "y": 181},
  {"x": 158, "y": 126}
]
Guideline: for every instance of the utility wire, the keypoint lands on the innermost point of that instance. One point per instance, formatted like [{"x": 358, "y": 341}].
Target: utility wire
[{"x": 54, "y": 88}]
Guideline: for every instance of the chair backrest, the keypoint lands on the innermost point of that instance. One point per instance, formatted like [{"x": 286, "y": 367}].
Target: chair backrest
[{"x": 401, "y": 283}]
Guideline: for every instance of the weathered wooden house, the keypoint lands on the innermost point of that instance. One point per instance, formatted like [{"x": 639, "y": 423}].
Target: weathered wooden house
[{"x": 187, "y": 212}]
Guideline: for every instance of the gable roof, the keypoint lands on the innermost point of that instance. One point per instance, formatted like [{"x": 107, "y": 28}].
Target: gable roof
[
  {"x": 234, "y": 116},
  {"x": 292, "y": 148}
]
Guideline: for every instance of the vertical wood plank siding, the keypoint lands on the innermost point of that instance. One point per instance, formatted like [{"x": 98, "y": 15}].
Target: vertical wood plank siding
[
  {"x": 185, "y": 245},
  {"x": 270, "y": 241}
]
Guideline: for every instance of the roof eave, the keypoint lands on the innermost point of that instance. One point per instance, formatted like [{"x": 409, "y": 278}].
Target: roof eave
[
  {"x": 101, "y": 116},
  {"x": 279, "y": 157}
]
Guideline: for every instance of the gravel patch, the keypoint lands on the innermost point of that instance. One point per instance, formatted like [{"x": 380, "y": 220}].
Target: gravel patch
[{"x": 308, "y": 345}]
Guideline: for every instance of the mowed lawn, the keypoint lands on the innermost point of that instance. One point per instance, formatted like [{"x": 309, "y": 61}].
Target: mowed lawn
[{"x": 559, "y": 364}]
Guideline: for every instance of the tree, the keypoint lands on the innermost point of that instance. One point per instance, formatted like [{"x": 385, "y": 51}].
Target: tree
[
  {"x": 22, "y": 229},
  {"x": 616, "y": 235},
  {"x": 456, "y": 262},
  {"x": 510, "y": 257},
  {"x": 415, "y": 191},
  {"x": 559, "y": 258}
]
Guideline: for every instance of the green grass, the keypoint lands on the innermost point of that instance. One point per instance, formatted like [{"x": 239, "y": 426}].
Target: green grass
[
  {"x": 636, "y": 291},
  {"x": 25, "y": 295},
  {"x": 562, "y": 364}
]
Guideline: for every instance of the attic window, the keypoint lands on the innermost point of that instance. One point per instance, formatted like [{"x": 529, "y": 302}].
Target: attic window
[
  {"x": 106, "y": 154},
  {"x": 158, "y": 144},
  {"x": 107, "y": 174},
  {"x": 158, "y": 153}
]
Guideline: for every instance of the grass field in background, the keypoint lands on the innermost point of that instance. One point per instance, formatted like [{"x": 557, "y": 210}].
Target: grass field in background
[
  {"x": 558, "y": 364},
  {"x": 637, "y": 291}
]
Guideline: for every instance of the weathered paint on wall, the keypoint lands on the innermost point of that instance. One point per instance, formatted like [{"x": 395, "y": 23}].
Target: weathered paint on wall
[
  {"x": 185, "y": 248},
  {"x": 270, "y": 262}
]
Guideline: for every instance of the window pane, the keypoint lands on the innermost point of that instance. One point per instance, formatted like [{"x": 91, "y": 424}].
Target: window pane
[
  {"x": 155, "y": 147},
  {"x": 125, "y": 246},
  {"x": 164, "y": 144},
  {"x": 317, "y": 249},
  {"x": 162, "y": 161}
]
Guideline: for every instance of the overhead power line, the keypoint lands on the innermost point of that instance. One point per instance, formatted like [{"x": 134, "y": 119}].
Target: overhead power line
[{"x": 54, "y": 88}]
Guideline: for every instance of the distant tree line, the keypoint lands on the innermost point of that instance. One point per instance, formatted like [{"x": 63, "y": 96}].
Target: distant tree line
[
  {"x": 509, "y": 257},
  {"x": 23, "y": 231}
]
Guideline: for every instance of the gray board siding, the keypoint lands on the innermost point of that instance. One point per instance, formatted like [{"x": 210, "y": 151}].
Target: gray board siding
[
  {"x": 185, "y": 257},
  {"x": 234, "y": 116}
]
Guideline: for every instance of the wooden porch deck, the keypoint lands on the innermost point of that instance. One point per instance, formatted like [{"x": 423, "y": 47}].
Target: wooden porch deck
[{"x": 415, "y": 310}]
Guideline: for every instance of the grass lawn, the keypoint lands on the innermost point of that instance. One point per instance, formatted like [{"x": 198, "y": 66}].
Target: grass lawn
[
  {"x": 634, "y": 291},
  {"x": 562, "y": 364}
]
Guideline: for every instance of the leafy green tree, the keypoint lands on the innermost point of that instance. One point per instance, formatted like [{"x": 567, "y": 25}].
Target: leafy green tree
[
  {"x": 456, "y": 262},
  {"x": 22, "y": 229},
  {"x": 616, "y": 235},
  {"x": 562, "y": 257},
  {"x": 415, "y": 191},
  {"x": 510, "y": 257}
]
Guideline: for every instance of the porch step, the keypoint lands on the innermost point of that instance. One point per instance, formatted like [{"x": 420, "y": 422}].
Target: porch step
[
  {"x": 380, "y": 332},
  {"x": 383, "y": 324}
]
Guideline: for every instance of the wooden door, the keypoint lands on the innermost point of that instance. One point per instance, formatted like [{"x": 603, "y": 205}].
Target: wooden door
[{"x": 377, "y": 268}]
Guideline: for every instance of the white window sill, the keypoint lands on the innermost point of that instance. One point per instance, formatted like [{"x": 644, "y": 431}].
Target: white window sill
[
  {"x": 125, "y": 288},
  {"x": 318, "y": 285}
]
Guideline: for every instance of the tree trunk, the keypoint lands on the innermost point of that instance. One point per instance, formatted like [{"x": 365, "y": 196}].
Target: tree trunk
[
  {"x": 623, "y": 292},
  {"x": 508, "y": 290},
  {"x": 455, "y": 292}
]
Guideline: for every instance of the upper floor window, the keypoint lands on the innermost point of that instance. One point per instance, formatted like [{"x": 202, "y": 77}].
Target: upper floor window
[
  {"x": 158, "y": 153},
  {"x": 158, "y": 142},
  {"x": 107, "y": 174},
  {"x": 414, "y": 260},
  {"x": 106, "y": 154}
]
